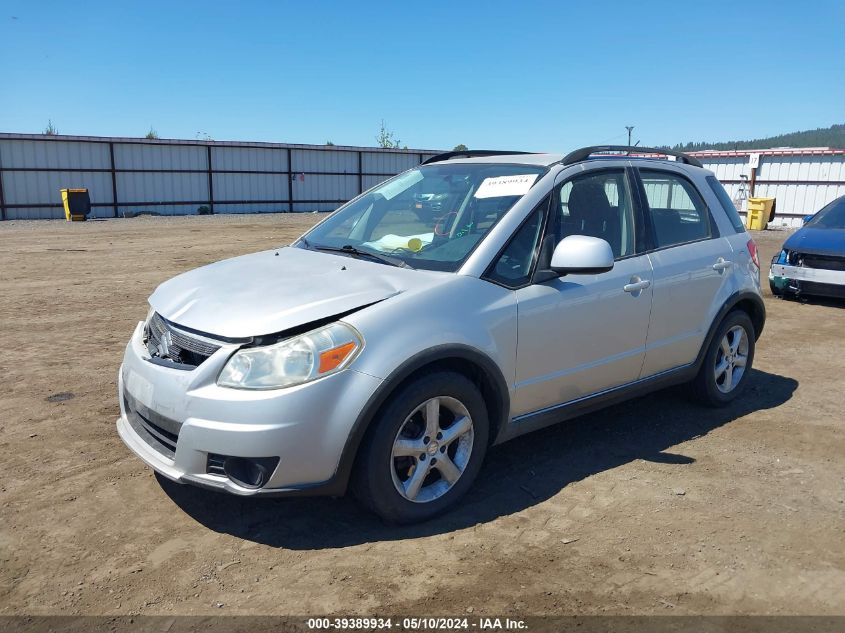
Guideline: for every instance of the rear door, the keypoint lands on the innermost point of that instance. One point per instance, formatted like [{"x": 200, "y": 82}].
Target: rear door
[{"x": 691, "y": 262}]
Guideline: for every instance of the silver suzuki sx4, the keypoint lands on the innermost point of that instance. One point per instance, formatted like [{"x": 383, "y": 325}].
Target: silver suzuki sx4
[{"x": 453, "y": 307}]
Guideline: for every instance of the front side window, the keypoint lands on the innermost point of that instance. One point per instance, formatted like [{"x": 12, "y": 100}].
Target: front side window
[
  {"x": 431, "y": 217},
  {"x": 596, "y": 204},
  {"x": 677, "y": 212},
  {"x": 514, "y": 265}
]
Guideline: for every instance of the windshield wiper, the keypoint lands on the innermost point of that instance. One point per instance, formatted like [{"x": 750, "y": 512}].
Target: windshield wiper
[{"x": 356, "y": 252}]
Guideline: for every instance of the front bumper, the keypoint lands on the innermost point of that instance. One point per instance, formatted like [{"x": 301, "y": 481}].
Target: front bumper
[
  {"x": 805, "y": 273},
  {"x": 806, "y": 280},
  {"x": 187, "y": 417}
]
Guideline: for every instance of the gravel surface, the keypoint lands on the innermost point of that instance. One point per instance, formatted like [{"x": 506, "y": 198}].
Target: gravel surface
[{"x": 653, "y": 506}]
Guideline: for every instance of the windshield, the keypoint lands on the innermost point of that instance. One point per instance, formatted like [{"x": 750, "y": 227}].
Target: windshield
[
  {"x": 830, "y": 217},
  {"x": 430, "y": 217}
]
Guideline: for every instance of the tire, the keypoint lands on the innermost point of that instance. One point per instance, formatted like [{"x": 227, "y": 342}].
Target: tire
[
  {"x": 395, "y": 449},
  {"x": 710, "y": 386}
]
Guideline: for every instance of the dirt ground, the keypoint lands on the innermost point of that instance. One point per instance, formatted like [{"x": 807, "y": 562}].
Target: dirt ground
[{"x": 654, "y": 506}]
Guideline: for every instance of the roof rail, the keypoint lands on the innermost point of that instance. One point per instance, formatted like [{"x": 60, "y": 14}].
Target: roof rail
[
  {"x": 469, "y": 153},
  {"x": 584, "y": 153}
]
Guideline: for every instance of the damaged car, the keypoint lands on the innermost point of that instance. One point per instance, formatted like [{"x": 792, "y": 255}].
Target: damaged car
[
  {"x": 812, "y": 261},
  {"x": 464, "y": 302}
]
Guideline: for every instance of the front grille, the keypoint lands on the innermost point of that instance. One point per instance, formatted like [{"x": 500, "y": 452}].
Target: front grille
[
  {"x": 159, "y": 432},
  {"x": 162, "y": 435},
  {"x": 214, "y": 465},
  {"x": 824, "y": 262},
  {"x": 168, "y": 342}
]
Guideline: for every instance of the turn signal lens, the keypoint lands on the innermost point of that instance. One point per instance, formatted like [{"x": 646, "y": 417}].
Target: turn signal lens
[{"x": 333, "y": 358}]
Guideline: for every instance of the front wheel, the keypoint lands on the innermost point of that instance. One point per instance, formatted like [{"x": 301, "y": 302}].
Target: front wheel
[
  {"x": 424, "y": 450},
  {"x": 727, "y": 362}
]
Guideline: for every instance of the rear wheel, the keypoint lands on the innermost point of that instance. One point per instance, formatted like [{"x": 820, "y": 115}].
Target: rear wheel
[
  {"x": 425, "y": 449},
  {"x": 728, "y": 360}
]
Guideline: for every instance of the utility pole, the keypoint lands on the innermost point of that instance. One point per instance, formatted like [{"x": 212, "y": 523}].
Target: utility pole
[{"x": 630, "y": 129}]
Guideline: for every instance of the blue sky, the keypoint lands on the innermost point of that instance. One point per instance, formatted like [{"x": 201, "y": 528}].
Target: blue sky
[{"x": 522, "y": 75}]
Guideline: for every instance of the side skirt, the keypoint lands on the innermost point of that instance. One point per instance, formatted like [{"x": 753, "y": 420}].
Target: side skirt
[{"x": 529, "y": 422}]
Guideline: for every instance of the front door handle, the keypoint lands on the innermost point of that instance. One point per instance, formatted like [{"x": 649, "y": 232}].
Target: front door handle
[
  {"x": 636, "y": 285},
  {"x": 721, "y": 264}
]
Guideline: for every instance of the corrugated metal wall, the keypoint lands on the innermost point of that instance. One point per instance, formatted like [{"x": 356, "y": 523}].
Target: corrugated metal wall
[
  {"x": 802, "y": 183},
  {"x": 177, "y": 177}
]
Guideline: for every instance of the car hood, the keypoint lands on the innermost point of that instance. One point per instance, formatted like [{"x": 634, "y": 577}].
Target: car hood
[
  {"x": 817, "y": 241},
  {"x": 272, "y": 291}
]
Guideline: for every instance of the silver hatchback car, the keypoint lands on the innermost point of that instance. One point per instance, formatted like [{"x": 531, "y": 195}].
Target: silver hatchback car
[{"x": 477, "y": 297}]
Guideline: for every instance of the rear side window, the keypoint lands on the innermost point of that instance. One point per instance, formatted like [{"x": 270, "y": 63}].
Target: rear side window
[
  {"x": 678, "y": 214},
  {"x": 727, "y": 203}
]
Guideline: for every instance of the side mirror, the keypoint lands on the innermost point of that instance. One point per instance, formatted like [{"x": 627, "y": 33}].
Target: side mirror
[{"x": 582, "y": 254}]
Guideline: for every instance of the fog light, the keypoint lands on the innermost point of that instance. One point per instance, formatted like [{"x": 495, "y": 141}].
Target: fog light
[{"x": 250, "y": 472}]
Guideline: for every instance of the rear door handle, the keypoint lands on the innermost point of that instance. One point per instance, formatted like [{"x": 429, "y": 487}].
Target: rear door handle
[
  {"x": 721, "y": 264},
  {"x": 636, "y": 285}
]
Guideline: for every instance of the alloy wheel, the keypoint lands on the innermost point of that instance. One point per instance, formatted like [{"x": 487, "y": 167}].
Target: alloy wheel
[
  {"x": 731, "y": 359},
  {"x": 432, "y": 449}
]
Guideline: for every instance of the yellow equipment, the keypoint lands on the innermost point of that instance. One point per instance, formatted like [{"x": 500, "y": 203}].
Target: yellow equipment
[
  {"x": 77, "y": 204},
  {"x": 759, "y": 213}
]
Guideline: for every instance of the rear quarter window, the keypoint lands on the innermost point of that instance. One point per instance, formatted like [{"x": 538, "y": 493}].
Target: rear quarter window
[{"x": 727, "y": 204}]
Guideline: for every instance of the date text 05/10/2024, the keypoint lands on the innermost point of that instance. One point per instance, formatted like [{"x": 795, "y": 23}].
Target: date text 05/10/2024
[{"x": 416, "y": 624}]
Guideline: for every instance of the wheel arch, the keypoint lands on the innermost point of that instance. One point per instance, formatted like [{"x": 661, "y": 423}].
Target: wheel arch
[
  {"x": 474, "y": 364},
  {"x": 749, "y": 302}
]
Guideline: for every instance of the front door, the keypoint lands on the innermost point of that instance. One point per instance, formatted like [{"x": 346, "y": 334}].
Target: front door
[{"x": 582, "y": 334}]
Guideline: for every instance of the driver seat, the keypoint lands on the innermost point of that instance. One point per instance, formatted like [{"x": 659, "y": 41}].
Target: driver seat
[{"x": 590, "y": 214}]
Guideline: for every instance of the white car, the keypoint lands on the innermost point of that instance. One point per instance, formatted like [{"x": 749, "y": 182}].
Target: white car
[{"x": 389, "y": 348}]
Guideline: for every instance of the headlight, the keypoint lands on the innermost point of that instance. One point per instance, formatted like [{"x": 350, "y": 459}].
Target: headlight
[{"x": 293, "y": 361}]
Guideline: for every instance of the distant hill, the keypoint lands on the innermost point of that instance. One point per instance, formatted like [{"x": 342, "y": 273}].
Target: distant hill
[{"x": 833, "y": 136}]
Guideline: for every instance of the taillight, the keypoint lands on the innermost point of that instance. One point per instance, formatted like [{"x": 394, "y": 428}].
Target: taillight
[{"x": 752, "y": 250}]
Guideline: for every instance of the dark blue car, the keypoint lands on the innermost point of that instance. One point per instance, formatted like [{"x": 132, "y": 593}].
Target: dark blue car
[{"x": 812, "y": 261}]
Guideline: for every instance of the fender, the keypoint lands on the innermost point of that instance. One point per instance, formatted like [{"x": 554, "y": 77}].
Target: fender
[{"x": 496, "y": 394}]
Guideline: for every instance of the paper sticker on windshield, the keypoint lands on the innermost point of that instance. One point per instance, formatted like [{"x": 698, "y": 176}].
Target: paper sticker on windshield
[
  {"x": 400, "y": 184},
  {"x": 505, "y": 186}
]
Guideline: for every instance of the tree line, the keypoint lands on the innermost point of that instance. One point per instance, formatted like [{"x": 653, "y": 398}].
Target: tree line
[{"x": 833, "y": 136}]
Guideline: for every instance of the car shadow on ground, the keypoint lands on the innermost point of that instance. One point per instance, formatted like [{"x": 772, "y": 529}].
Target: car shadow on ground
[{"x": 516, "y": 475}]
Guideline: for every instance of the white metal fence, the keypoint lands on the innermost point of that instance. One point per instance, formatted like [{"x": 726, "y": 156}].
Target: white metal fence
[
  {"x": 177, "y": 177},
  {"x": 802, "y": 181}
]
